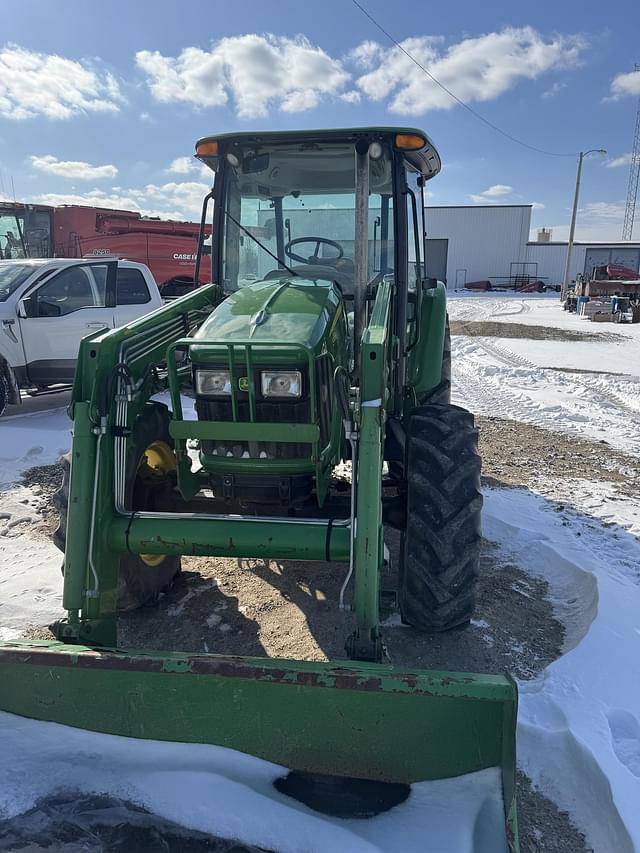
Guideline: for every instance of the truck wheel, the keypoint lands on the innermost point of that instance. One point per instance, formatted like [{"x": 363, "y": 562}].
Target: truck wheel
[
  {"x": 150, "y": 463},
  {"x": 442, "y": 392},
  {"x": 441, "y": 543},
  {"x": 4, "y": 392}
]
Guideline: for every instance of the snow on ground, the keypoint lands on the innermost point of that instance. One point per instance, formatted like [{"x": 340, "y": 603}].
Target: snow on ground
[
  {"x": 182, "y": 781},
  {"x": 503, "y": 376},
  {"x": 579, "y": 723},
  {"x": 37, "y": 432},
  {"x": 30, "y": 580}
]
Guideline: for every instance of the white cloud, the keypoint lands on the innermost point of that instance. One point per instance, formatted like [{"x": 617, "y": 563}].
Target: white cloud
[
  {"x": 44, "y": 84},
  {"x": 623, "y": 160},
  {"x": 173, "y": 200},
  {"x": 498, "y": 190},
  {"x": 72, "y": 168},
  {"x": 182, "y": 165},
  {"x": 365, "y": 54},
  {"x": 604, "y": 211},
  {"x": 493, "y": 192},
  {"x": 258, "y": 72},
  {"x": 475, "y": 69},
  {"x": 190, "y": 166},
  {"x": 554, "y": 90},
  {"x": 625, "y": 84}
]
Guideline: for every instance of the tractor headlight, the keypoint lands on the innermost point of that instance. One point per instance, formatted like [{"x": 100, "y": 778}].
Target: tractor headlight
[
  {"x": 280, "y": 383},
  {"x": 210, "y": 383}
]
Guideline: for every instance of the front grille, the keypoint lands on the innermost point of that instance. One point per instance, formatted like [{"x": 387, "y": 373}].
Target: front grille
[{"x": 297, "y": 412}]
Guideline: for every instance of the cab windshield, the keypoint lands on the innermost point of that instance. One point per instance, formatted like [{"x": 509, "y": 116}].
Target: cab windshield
[
  {"x": 24, "y": 233},
  {"x": 293, "y": 206},
  {"x": 12, "y": 275}
]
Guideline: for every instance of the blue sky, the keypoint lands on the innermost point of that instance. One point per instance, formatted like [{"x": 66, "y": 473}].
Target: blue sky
[{"x": 102, "y": 103}]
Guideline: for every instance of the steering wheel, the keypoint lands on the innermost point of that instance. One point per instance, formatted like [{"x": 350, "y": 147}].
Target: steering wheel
[{"x": 313, "y": 259}]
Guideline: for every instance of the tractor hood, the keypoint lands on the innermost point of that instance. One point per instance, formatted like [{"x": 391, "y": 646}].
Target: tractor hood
[{"x": 288, "y": 310}]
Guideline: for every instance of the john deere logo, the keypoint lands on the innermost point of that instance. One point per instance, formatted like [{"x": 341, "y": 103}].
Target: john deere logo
[{"x": 243, "y": 383}]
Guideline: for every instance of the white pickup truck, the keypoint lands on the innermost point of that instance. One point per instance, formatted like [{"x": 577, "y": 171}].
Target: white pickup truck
[{"x": 48, "y": 306}]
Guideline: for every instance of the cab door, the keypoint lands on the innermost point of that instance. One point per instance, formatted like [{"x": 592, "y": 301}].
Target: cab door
[{"x": 56, "y": 315}]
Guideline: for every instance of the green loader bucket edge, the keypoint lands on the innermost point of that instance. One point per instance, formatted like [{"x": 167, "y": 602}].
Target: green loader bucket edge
[{"x": 344, "y": 718}]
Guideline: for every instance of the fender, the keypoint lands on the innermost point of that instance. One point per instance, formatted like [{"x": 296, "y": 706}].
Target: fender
[{"x": 425, "y": 364}]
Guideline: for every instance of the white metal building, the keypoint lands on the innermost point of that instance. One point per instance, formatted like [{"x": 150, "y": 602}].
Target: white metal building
[
  {"x": 491, "y": 242},
  {"x": 476, "y": 242}
]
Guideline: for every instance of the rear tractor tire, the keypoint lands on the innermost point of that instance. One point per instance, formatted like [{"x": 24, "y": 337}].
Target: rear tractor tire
[
  {"x": 441, "y": 542},
  {"x": 150, "y": 465}
]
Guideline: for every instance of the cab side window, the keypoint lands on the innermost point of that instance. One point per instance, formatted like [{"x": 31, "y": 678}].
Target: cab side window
[
  {"x": 70, "y": 290},
  {"x": 131, "y": 287},
  {"x": 416, "y": 229}
]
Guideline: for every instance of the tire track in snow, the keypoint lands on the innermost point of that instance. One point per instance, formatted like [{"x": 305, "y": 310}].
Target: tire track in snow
[
  {"x": 491, "y": 380},
  {"x": 606, "y": 396}
]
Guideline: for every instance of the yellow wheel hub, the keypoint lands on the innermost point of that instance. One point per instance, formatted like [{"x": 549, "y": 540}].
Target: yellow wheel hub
[{"x": 157, "y": 461}]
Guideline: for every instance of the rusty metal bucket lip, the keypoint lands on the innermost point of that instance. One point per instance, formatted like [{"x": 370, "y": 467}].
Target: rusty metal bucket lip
[{"x": 343, "y": 674}]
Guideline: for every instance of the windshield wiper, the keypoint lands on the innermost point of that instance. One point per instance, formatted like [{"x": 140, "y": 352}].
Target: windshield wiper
[{"x": 280, "y": 262}]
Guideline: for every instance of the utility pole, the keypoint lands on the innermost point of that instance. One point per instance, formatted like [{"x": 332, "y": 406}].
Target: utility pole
[{"x": 567, "y": 267}]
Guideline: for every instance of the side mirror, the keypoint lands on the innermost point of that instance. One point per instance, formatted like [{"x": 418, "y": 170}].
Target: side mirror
[{"x": 27, "y": 307}]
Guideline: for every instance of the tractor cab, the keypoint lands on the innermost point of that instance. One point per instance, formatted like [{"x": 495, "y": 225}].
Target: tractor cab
[{"x": 286, "y": 204}]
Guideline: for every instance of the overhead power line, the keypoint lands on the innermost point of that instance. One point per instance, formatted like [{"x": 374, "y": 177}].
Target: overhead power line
[{"x": 453, "y": 95}]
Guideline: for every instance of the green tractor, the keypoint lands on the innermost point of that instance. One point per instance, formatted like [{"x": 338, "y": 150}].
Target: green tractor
[{"x": 322, "y": 341}]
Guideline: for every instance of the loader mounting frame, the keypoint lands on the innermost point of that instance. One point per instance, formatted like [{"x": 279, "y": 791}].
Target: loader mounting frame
[{"x": 100, "y": 530}]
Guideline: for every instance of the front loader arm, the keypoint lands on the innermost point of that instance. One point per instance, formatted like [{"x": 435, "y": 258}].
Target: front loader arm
[{"x": 368, "y": 544}]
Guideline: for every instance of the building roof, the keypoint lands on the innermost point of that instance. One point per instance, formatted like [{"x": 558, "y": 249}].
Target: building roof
[
  {"x": 613, "y": 244},
  {"x": 473, "y": 206}
]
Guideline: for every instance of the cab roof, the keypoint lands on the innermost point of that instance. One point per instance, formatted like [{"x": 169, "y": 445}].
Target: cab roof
[{"x": 426, "y": 159}]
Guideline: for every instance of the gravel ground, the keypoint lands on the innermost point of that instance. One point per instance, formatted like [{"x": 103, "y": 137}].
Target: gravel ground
[
  {"x": 519, "y": 454},
  {"x": 289, "y": 609},
  {"x": 43, "y": 481},
  {"x": 496, "y": 329}
]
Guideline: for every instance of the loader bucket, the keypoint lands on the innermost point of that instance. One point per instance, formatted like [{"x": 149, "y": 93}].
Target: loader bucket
[{"x": 365, "y": 720}]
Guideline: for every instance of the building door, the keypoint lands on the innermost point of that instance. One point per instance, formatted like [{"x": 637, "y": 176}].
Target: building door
[
  {"x": 461, "y": 278},
  {"x": 437, "y": 251},
  {"x": 597, "y": 257}
]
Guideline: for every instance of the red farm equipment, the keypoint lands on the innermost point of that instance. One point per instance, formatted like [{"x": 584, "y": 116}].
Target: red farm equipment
[{"x": 167, "y": 247}]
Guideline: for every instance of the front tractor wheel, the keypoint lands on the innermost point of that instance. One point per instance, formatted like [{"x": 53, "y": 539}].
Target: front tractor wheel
[
  {"x": 441, "y": 541},
  {"x": 150, "y": 467}
]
